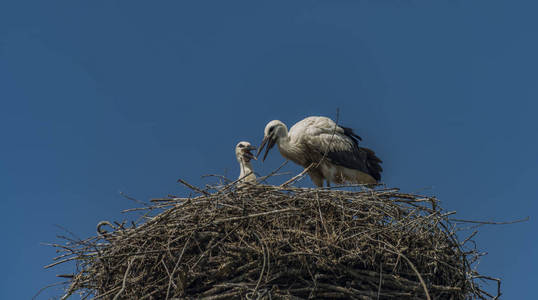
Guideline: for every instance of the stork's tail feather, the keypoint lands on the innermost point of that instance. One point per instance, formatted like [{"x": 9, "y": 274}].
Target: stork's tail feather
[
  {"x": 349, "y": 132},
  {"x": 373, "y": 164}
]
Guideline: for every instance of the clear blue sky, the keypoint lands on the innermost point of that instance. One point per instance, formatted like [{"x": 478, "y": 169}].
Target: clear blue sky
[{"x": 103, "y": 97}]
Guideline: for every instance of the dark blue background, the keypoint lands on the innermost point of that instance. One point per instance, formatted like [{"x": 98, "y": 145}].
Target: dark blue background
[{"x": 103, "y": 97}]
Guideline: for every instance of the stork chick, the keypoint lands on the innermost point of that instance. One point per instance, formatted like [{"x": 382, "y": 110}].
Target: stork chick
[
  {"x": 333, "y": 150},
  {"x": 243, "y": 154}
]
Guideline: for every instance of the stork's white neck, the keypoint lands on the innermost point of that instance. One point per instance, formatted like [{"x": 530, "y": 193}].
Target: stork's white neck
[{"x": 290, "y": 150}]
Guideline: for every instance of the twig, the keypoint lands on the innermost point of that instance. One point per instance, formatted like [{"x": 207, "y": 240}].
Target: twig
[
  {"x": 298, "y": 176},
  {"x": 176, "y": 266},
  {"x": 491, "y": 223},
  {"x": 47, "y": 287},
  {"x": 380, "y": 279},
  {"x": 254, "y": 215},
  {"x": 262, "y": 179},
  {"x": 331, "y": 140},
  {"x": 396, "y": 251},
  {"x": 124, "y": 283},
  {"x": 192, "y": 187}
]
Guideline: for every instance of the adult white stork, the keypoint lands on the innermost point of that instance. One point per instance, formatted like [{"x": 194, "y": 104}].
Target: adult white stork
[
  {"x": 333, "y": 149},
  {"x": 243, "y": 154}
]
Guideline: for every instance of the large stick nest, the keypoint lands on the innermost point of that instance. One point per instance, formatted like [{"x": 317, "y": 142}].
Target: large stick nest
[{"x": 270, "y": 242}]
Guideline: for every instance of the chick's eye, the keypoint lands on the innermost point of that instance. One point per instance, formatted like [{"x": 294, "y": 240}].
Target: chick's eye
[
  {"x": 271, "y": 129},
  {"x": 241, "y": 145}
]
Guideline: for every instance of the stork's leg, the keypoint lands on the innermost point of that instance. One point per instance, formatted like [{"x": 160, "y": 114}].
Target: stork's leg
[
  {"x": 317, "y": 181},
  {"x": 316, "y": 177}
]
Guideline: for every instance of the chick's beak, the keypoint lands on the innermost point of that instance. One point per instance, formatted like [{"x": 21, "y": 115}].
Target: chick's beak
[{"x": 247, "y": 154}]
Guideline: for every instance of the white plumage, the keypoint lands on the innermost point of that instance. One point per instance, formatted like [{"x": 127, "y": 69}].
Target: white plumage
[
  {"x": 333, "y": 149},
  {"x": 243, "y": 154}
]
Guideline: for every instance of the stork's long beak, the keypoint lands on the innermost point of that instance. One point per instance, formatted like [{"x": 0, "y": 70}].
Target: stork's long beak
[
  {"x": 270, "y": 143},
  {"x": 264, "y": 141},
  {"x": 248, "y": 154}
]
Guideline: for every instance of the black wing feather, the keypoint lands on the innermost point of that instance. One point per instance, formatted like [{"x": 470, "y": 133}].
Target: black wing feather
[{"x": 358, "y": 158}]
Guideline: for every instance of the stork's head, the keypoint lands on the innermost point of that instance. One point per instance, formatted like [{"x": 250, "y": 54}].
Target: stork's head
[
  {"x": 274, "y": 131},
  {"x": 242, "y": 151}
]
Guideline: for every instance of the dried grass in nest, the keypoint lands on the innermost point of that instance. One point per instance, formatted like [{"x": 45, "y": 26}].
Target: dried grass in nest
[{"x": 271, "y": 242}]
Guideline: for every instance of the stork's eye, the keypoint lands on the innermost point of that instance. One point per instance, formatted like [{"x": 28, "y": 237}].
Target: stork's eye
[
  {"x": 271, "y": 129},
  {"x": 241, "y": 145}
]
